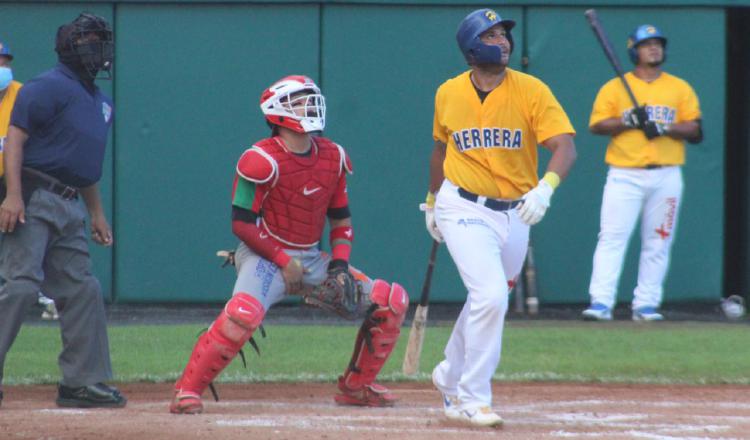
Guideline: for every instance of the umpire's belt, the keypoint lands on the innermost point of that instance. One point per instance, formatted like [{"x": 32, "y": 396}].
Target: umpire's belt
[
  {"x": 40, "y": 180},
  {"x": 493, "y": 204}
]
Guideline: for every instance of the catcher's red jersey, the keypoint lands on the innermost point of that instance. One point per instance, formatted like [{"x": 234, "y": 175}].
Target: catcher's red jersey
[{"x": 292, "y": 192}]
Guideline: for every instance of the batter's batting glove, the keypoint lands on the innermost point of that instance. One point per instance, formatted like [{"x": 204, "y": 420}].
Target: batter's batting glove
[
  {"x": 535, "y": 203},
  {"x": 655, "y": 129},
  {"x": 429, "y": 218}
]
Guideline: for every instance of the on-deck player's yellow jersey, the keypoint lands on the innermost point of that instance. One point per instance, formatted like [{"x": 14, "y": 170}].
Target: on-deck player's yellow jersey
[
  {"x": 492, "y": 145},
  {"x": 668, "y": 100},
  {"x": 6, "y": 107}
]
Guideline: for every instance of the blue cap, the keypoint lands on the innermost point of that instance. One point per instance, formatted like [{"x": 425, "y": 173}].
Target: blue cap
[
  {"x": 469, "y": 37},
  {"x": 639, "y": 35},
  {"x": 5, "y": 51}
]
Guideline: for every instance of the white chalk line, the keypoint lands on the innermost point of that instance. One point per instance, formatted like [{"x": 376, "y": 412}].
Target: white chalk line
[
  {"x": 528, "y": 415},
  {"x": 631, "y": 433},
  {"x": 307, "y": 423}
]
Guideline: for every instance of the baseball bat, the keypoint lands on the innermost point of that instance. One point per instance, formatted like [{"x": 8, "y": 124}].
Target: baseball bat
[
  {"x": 532, "y": 301},
  {"x": 418, "y": 324},
  {"x": 611, "y": 55}
]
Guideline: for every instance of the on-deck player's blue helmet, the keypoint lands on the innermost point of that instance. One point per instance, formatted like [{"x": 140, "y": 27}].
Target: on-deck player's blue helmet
[
  {"x": 472, "y": 27},
  {"x": 5, "y": 51},
  {"x": 639, "y": 35}
]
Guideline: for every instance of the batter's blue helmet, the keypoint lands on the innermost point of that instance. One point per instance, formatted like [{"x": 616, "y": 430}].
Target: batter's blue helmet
[
  {"x": 5, "y": 51},
  {"x": 472, "y": 27},
  {"x": 639, "y": 35}
]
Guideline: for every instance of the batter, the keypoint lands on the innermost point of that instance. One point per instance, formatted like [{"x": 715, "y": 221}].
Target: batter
[{"x": 484, "y": 194}]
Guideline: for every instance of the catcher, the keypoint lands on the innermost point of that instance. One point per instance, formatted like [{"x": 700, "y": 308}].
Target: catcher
[{"x": 285, "y": 187}]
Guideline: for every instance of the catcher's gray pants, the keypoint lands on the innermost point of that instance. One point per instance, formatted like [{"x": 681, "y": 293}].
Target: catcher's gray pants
[
  {"x": 50, "y": 253},
  {"x": 262, "y": 279}
]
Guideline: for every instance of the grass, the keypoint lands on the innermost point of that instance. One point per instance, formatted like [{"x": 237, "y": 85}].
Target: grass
[{"x": 688, "y": 353}]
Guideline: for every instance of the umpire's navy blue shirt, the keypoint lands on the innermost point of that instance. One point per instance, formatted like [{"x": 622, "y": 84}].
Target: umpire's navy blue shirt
[{"x": 67, "y": 126}]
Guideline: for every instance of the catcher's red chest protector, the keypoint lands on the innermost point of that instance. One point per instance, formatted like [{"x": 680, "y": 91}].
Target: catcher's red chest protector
[{"x": 294, "y": 208}]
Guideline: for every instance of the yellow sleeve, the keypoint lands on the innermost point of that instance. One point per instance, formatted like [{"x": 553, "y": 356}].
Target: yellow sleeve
[
  {"x": 439, "y": 133},
  {"x": 605, "y": 106},
  {"x": 550, "y": 118},
  {"x": 689, "y": 109}
]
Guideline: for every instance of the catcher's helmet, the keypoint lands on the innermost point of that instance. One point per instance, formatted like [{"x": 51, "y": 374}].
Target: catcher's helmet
[
  {"x": 5, "y": 51},
  {"x": 472, "y": 27},
  {"x": 74, "y": 45},
  {"x": 639, "y": 35},
  {"x": 295, "y": 92}
]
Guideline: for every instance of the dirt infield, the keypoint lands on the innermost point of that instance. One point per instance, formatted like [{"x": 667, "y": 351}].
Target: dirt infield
[{"x": 307, "y": 411}]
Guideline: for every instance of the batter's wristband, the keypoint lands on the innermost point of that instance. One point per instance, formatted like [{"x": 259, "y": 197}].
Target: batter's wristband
[
  {"x": 341, "y": 242},
  {"x": 552, "y": 179},
  {"x": 281, "y": 258},
  {"x": 430, "y": 200}
]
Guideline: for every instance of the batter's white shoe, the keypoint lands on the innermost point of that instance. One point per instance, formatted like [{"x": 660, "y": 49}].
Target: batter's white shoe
[
  {"x": 597, "y": 312},
  {"x": 482, "y": 416},
  {"x": 647, "y": 314},
  {"x": 450, "y": 401}
]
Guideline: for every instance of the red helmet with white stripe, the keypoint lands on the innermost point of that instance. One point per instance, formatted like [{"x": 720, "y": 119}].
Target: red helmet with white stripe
[{"x": 294, "y": 102}]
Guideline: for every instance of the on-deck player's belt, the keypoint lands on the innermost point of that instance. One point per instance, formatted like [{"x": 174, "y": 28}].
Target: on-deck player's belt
[
  {"x": 653, "y": 166},
  {"x": 495, "y": 205}
]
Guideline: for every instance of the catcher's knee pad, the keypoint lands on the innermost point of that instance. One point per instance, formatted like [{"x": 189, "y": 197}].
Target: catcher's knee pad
[
  {"x": 217, "y": 347},
  {"x": 378, "y": 335}
]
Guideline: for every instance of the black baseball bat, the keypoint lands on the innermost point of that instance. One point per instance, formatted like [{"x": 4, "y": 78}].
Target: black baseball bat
[{"x": 611, "y": 55}]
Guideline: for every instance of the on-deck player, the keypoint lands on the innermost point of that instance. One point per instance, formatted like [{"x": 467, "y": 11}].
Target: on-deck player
[
  {"x": 485, "y": 192},
  {"x": 644, "y": 179},
  {"x": 284, "y": 189}
]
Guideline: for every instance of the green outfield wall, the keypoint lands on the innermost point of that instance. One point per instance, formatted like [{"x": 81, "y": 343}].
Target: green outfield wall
[{"x": 187, "y": 81}]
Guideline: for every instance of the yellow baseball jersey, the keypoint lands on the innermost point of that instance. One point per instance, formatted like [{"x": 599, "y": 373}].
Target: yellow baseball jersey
[
  {"x": 668, "y": 100},
  {"x": 492, "y": 145},
  {"x": 6, "y": 107}
]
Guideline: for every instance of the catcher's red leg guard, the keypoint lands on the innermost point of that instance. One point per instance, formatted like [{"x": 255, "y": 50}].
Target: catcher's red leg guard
[
  {"x": 215, "y": 349},
  {"x": 375, "y": 341}
]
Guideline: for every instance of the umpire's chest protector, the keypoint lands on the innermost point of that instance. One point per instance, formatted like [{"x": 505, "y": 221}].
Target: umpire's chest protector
[{"x": 294, "y": 208}]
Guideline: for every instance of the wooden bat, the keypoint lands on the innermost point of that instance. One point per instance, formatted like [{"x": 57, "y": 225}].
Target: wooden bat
[
  {"x": 418, "y": 324},
  {"x": 611, "y": 55}
]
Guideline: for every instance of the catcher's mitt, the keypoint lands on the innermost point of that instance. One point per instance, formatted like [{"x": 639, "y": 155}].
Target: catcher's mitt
[{"x": 339, "y": 293}]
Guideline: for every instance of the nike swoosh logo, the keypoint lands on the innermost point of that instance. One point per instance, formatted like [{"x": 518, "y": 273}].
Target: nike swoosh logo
[
  {"x": 307, "y": 192},
  {"x": 244, "y": 310},
  {"x": 263, "y": 235}
]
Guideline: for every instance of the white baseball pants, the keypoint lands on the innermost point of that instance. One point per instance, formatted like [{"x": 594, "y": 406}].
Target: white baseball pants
[
  {"x": 655, "y": 195},
  {"x": 488, "y": 248}
]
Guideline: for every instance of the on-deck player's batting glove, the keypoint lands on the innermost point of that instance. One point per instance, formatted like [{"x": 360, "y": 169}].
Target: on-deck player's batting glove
[
  {"x": 535, "y": 203},
  {"x": 429, "y": 217},
  {"x": 655, "y": 129},
  {"x": 635, "y": 117}
]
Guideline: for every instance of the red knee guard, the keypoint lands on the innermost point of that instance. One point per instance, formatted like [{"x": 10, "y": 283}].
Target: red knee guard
[
  {"x": 217, "y": 347},
  {"x": 377, "y": 337}
]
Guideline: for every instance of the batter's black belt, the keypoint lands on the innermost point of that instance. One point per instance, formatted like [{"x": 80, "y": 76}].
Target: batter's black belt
[
  {"x": 495, "y": 205},
  {"x": 38, "y": 180}
]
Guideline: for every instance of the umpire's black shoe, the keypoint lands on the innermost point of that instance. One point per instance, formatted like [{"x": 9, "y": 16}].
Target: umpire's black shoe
[{"x": 98, "y": 395}]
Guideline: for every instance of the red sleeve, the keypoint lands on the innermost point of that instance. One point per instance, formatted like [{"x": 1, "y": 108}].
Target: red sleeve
[
  {"x": 340, "y": 198},
  {"x": 260, "y": 243}
]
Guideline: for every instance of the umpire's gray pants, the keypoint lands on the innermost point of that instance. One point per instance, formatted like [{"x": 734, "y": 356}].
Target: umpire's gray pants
[{"x": 50, "y": 253}]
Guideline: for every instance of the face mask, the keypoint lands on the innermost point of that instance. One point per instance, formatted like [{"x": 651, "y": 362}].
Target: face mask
[{"x": 6, "y": 76}]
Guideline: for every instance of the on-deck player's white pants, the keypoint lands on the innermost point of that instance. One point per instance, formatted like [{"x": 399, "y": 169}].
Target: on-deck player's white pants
[
  {"x": 657, "y": 194},
  {"x": 489, "y": 248}
]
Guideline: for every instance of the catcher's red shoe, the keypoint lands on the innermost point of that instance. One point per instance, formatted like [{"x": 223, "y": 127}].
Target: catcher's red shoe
[
  {"x": 370, "y": 395},
  {"x": 186, "y": 402}
]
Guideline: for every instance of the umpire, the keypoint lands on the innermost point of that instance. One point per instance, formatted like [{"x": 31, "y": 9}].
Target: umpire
[{"x": 53, "y": 158}]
